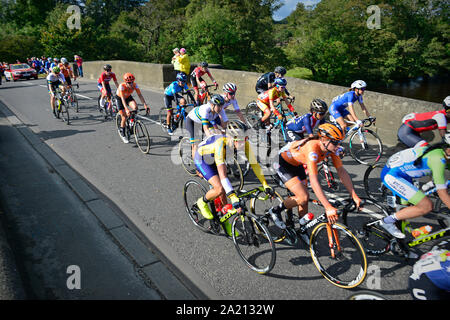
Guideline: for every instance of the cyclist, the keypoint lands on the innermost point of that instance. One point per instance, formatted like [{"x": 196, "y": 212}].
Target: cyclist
[
  {"x": 229, "y": 94},
  {"x": 125, "y": 99},
  {"x": 209, "y": 115},
  {"x": 266, "y": 102},
  {"x": 339, "y": 105},
  {"x": 299, "y": 126},
  {"x": 55, "y": 80},
  {"x": 210, "y": 161},
  {"x": 309, "y": 152},
  {"x": 411, "y": 163},
  {"x": 196, "y": 79},
  {"x": 171, "y": 93},
  {"x": 66, "y": 70},
  {"x": 415, "y": 123},
  {"x": 430, "y": 278},
  {"x": 103, "y": 83},
  {"x": 55, "y": 63}
]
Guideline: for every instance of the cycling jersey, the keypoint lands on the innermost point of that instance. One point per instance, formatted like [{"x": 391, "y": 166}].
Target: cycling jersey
[
  {"x": 198, "y": 72},
  {"x": 339, "y": 104},
  {"x": 262, "y": 84},
  {"x": 204, "y": 115},
  {"x": 304, "y": 124},
  {"x": 104, "y": 77},
  {"x": 426, "y": 121},
  {"x": 400, "y": 169},
  {"x": 231, "y": 102},
  {"x": 54, "y": 80},
  {"x": 123, "y": 91},
  {"x": 66, "y": 71},
  {"x": 271, "y": 94},
  {"x": 174, "y": 88}
]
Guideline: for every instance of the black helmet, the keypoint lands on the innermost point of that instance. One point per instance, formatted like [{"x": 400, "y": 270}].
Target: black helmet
[
  {"x": 446, "y": 103},
  {"x": 217, "y": 99},
  {"x": 280, "y": 70},
  {"x": 204, "y": 64},
  {"x": 318, "y": 105},
  {"x": 107, "y": 67}
]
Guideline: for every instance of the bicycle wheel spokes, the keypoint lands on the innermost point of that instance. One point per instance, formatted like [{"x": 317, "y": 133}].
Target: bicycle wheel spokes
[
  {"x": 253, "y": 243},
  {"x": 366, "y": 149},
  {"x": 185, "y": 152},
  {"x": 193, "y": 190},
  {"x": 141, "y": 136},
  {"x": 338, "y": 255}
]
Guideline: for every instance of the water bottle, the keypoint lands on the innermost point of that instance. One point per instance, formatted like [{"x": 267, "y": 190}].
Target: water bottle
[
  {"x": 421, "y": 231},
  {"x": 306, "y": 218},
  {"x": 218, "y": 204}
]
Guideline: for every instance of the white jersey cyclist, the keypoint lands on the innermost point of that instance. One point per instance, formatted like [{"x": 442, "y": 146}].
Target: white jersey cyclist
[{"x": 204, "y": 115}]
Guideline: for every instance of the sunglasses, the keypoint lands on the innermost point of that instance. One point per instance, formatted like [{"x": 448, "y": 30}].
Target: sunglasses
[
  {"x": 321, "y": 113},
  {"x": 282, "y": 87},
  {"x": 335, "y": 142}
]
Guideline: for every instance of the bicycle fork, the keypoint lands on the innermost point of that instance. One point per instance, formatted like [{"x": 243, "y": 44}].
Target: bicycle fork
[{"x": 333, "y": 240}]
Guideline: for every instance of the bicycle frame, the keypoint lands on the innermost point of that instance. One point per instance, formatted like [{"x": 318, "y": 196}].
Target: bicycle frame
[{"x": 204, "y": 92}]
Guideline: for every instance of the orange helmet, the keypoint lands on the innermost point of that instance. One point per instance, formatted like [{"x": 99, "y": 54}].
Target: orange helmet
[
  {"x": 128, "y": 77},
  {"x": 331, "y": 131}
]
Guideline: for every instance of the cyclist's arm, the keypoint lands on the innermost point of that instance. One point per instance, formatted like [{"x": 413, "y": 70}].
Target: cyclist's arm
[
  {"x": 141, "y": 97},
  {"x": 437, "y": 165},
  {"x": 307, "y": 124},
  {"x": 364, "y": 108}
]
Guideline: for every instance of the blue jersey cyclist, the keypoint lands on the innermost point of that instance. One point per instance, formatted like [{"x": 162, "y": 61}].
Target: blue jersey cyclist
[
  {"x": 411, "y": 163},
  {"x": 339, "y": 105},
  {"x": 305, "y": 124},
  {"x": 171, "y": 94}
]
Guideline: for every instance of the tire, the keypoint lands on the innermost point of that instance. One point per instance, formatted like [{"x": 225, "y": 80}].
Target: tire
[
  {"x": 192, "y": 191},
  {"x": 329, "y": 180},
  {"x": 373, "y": 186},
  {"x": 253, "y": 113},
  {"x": 367, "y": 295},
  {"x": 75, "y": 102},
  {"x": 347, "y": 267},
  {"x": 371, "y": 152},
  {"x": 260, "y": 205},
  {"x": 65, "y": 113},
  {"x": 185, "y": 153},
  {"x": 141, "y": 136},
  {"x": 375, "y": 239},
  {"x": 163, "y": 119},
  {"x": 253, "y": 243}
]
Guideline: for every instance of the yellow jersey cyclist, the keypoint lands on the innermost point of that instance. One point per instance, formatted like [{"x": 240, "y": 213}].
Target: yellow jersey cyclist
[
  {"x": 55, "y": 79},
  {"x": 266, "y": 102},
  {"x": 125, "y": 99},
  {"x": 210, "y": 162},
  {"x": 411, "y": 163}
]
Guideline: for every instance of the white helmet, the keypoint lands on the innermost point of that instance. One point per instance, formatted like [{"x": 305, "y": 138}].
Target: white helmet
[
  {"x": 359, "y": 84},
  {"x": 446, "y": 103},
  {"x": 446, "y": 138},
  {"x": 64, "y": 60},
  {"x": 229, "y": 87}
]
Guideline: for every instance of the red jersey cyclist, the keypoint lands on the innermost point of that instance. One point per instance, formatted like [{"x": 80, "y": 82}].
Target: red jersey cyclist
[
  {"x": 266, "y": 102},
  {"x": 125, "y": 99},
  {"x": 103, "y": 83},
  {"x": 196, "y": 79}
]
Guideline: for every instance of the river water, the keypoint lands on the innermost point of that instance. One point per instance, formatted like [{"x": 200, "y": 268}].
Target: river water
[{"x": 434, "y": 90}]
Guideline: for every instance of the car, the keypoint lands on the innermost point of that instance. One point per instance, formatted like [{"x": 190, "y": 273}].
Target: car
[{"x": 20, "y": 71}]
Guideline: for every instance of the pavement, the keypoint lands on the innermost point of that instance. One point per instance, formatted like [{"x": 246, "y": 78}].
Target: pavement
[{"x": 60, "y": 238}]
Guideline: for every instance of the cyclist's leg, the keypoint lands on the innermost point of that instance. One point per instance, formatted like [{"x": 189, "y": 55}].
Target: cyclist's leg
[
  {"x": 123, "y": 114},
  {"x": 195, "y": 87},
  {"x": 210, "y": 173},
  {"x": 266, "y": 110},
  {"x": 339, "y": 116},
  {"x": 410, "y": 137},
  {"x": 168, "y": 103}
]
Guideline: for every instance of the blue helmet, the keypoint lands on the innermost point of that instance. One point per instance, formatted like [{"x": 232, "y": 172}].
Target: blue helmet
[
  {"x": 280, "y": 82},
  {"x": 181, "y": 77}
]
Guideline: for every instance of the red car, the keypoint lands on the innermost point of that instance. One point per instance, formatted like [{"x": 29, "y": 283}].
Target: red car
[{"x": 20, "y": 71}]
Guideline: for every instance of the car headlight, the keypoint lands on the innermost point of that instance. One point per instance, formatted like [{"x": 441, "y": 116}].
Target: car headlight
[{"x": 16, "y": 73}]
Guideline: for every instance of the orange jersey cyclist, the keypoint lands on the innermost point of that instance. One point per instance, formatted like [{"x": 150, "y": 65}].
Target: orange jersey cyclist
[
  {"x": 66, "y": 70},
  {"x": 266, "y": 102},
  {"x": 310, "y": 152},
  {"x": 125, "y": 100}
]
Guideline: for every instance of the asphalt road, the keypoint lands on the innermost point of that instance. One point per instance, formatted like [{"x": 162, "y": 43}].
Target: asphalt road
[{"x": 148, "y": 189}]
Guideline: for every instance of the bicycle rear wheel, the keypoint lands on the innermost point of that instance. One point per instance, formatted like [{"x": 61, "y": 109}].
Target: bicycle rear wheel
[
  {"x": 373, "y": 186},
  {"x": 340, "y": 258},
  {"x": 141, "y": 136},
  {"x": 192, "y": 191},
  {"x": 163, "y": 119},
  {"x": 185, "y": 152},
  {"x": 253, "y": 243},
  {"x": 58, "y": 108},
  {"x": 374, "y": 239},
  {"x": 74, "y": 101},
  {"x": 367, "y": 151}
]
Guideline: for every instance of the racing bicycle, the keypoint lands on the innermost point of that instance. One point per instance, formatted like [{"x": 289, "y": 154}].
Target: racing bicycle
[
  {"x": 177, "y": 119},
  {"x": 135, "y": 127},
  {"x": 71, "y": 98},
  {"x": 250, "y": 235},
  {"x": 110, "y": 107},
  {"x": 61, "y": 107}
]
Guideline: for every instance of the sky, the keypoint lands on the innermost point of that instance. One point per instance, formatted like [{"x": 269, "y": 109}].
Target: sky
[{"x": 289, "y": 6}]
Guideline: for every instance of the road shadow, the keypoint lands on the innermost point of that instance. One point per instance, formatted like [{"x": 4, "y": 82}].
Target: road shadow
[{"x": 47, "y": 135}]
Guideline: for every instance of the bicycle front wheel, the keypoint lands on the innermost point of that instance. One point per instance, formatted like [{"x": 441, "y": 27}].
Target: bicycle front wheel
[
  {"x": 253, "y": 243},
  {"x": 65, "y": 113},
  {"x": 163, "y": 119},
  {"x": 373, "y": 186},
  {"x": 367, "y": 148},
  {"x": 185, "y": 152},
  {"x": 338, "y": 255},
  {"x": 141, "y": 136}
]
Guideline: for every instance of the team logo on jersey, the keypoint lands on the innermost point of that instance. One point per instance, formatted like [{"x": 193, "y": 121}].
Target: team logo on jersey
[{"x": 313, "y": 156}]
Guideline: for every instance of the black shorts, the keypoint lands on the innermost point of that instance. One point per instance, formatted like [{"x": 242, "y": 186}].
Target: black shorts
[
  {"x": 168, "y": 100},
  {"x": 287, "y": 171},
  {"x": 68, "y": 81},
  {"x": 194, "y": 81},
  {"x": 119, "y": 102}
]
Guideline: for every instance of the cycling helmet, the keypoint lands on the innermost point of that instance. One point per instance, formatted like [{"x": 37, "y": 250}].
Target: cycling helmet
[
  {"x": 128, "y": 77},
  {"x": 203, "y": 64},
  {"x": 217, "y": 99},
  {"x": 56, "y": 70},
  {"x": 280, "y": 82},
  {"x": 107, "y": 67},
  {"x": 359, "y": 84},
  {"x": 55, "y": 59},
  {"x": 49, "y": 59},
  {"x": 229, "y": 87},
  {"x": 446, "y": 103},
  {"x": 331, "y": 131},
  {"x": 64, "y": 60},
  {"x": 318, "y": 105},
  {"x": 280, "y": 70},
  {"x": 446, "y": 138},
  {"x": 181, "y": 77}
]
